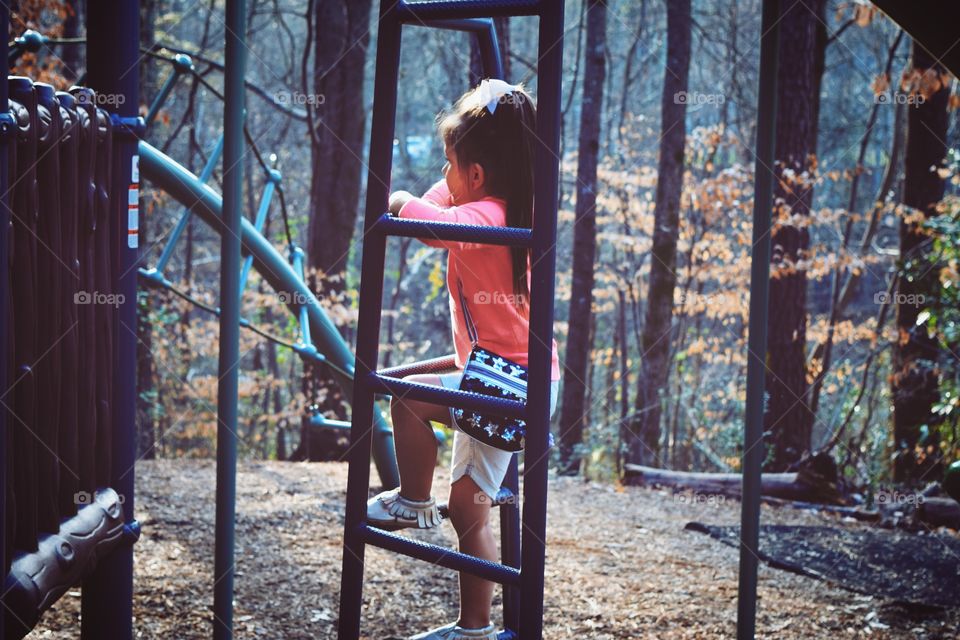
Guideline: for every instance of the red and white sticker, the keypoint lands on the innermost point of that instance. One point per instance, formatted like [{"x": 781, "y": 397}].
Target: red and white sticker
[{"x": 133, "y": 204}]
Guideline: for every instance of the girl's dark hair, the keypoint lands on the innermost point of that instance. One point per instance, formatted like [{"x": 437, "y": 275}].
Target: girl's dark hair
[{"x": 502, "y": 143}]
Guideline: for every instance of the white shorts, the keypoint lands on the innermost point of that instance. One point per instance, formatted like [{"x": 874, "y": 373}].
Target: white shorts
[{"x": 486, "y": 465}]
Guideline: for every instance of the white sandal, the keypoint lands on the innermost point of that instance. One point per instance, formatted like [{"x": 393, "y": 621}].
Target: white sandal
[
  {"x": 389, "y": 510},
  {"x": 452, "y": 631}
]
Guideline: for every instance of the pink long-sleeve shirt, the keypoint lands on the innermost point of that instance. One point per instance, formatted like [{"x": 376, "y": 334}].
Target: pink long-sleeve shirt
[{"x": 486, "y": 273}]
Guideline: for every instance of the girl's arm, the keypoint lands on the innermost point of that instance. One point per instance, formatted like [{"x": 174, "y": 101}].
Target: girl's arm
[
  {"x": 438, "y": 194},
  {"x": 436, "y": 206}
]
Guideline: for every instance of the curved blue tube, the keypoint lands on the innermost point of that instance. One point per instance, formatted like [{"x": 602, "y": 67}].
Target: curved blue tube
[{"x": 187, "y": 189}]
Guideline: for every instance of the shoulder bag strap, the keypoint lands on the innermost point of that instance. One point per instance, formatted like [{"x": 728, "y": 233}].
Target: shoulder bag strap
[{"x": 471, "y": 328}]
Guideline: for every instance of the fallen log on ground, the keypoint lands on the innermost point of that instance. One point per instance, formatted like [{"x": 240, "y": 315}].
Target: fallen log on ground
[
  {"x": 939, "y": 512},
  {"x": 800, "y": 485}
]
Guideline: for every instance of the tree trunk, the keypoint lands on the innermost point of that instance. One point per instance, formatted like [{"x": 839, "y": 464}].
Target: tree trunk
[
  {"x": 824, "y": 351},
  {"x": 888, "y": 192},
  {"x": 337, "y": 116},
  {"x": 788, "y": 419},
  {"x": 624, "y": 379},
  {"x": 611, "y": 364},
  {"x": 149, "y": 67},
  {"x": 790, "y": 486},
  {"x": 628, "y": 75},
  {"x": 72, "y": 55},
  {"x": 273, "y": 370},
  {"x": 146, "y": 374},
  {"x": 655, "y": 342},
  {"x": 395, "y": 301},
  {"x": 579, "y": 346},
  {"x": 914, "y": 382}
]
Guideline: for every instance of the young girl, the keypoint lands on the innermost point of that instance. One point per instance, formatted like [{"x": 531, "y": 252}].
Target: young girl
[{"x": 489, "y": 140}]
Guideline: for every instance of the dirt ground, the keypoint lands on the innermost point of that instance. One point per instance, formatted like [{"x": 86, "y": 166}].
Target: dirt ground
[{"x": 619, "y": 565}]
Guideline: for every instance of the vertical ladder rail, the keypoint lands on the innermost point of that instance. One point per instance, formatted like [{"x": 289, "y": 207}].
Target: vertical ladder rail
[
  {"x": 510, "y": 545},
  {"x": 368, "y": 326},
  {"x": 543, "y": 259}
]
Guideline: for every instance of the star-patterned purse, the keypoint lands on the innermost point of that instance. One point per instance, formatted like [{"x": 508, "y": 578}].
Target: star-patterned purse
[{"x": 491, "y": 374}]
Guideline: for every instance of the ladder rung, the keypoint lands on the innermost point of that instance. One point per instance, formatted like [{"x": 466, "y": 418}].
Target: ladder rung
[
  {"x": 433, "y": 365},
  {"x": 481, "y": 234},
  {"x": 442, "y": 556},
  {"x": 446, "y": 397},
  {"x": 438, "y": 9}
]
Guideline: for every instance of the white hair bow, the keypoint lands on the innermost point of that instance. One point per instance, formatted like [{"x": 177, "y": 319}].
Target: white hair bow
[{"x": 490, "y": 91}]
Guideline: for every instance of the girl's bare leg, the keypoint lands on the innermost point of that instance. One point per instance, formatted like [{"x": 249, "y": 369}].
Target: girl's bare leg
[
  {"x": 414, "y": 440},
  {"x": 470, "y": 512}
]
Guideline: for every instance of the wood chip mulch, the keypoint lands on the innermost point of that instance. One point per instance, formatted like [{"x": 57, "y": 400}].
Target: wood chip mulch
[{"x": 619, "y": 565}]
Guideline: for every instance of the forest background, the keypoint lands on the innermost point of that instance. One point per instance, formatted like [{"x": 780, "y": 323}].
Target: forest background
[{"x": 654, "y": 231}]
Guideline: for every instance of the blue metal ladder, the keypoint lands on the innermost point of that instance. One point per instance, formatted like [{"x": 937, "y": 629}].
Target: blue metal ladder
[{"x": 521, "y": 573}]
